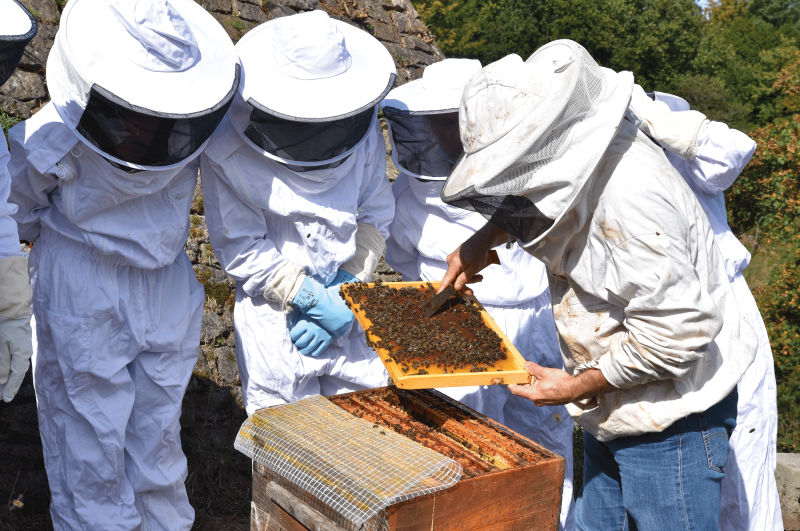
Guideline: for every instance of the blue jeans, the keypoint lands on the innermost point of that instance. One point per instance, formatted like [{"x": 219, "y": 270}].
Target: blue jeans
[{"x": 658, "y": 481}]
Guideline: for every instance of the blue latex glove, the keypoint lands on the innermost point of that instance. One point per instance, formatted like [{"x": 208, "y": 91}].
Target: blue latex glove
[
  {"x": 309, "y": 337},
  {"x": 342, "y": 277},
  {"x": 329, "y": 310}
]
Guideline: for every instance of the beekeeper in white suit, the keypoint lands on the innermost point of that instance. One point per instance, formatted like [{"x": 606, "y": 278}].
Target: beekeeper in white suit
[
  {"x": 423, "y": 128},
  {"x": 297, "y": 203},
  {"x": 650, "y": 331},
  {"x": 17, "y": 29},
  {"x": 103, "y": 176},
  {"x": 750, "y": 499}
]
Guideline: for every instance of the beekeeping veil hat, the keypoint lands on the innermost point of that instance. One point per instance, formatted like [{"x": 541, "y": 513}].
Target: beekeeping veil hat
[
  {"x": 533, "y": 133},
  {"x": 310, "y": 89},
  {"x": 423, "y": 119},
  {"x": 17, "y": 29},
  {"x": 143, "y": 82}
]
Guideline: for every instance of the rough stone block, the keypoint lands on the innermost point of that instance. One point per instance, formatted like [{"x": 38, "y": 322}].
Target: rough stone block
[
  {"x": 249, "y": 12},
  {"x": 37, "y": 51},
  {"x": 415, "y": 43},
  {"x": 375, "y": 13},
  {"x": 227, "y": 368},
  {"x": 220, "y": 6},
  {"x": 24, "y": 86},
  {"x": 44, "y": 10},
  {"x": 409, "y": 58},
  {"x": 278, "y": 10},
  {"x": 15, "y": 108},
  {"x": 212, "y": 326},
  {"x": 385, "y": 32},
  {"x": 394, "y": 5},
  {"x": 302, "y": 5},
  {"x": 403, "y": 22},
  {"x": 787, "y": 475}
]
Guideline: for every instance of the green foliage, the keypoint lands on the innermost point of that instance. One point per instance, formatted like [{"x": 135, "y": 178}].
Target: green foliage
[
  {"x": 725, "y": 59},
  {"x": 656, "y": 39},
  {"x": 7, "y": 122},
  {"x": 767, "y": 195}
]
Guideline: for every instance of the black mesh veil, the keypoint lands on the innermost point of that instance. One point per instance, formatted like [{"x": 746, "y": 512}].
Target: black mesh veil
[
  {"x": 427, "y": 144},
  {"x": 12, "y": 47},
  {"x": 308, "y": 141},
  {"x": 143, "y": 137}
]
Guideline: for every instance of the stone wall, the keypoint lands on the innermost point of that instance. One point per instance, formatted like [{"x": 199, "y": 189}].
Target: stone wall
[{"x": 213, "y": 407}]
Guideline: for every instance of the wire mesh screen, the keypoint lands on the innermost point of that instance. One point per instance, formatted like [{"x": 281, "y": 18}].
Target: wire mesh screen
[{"x": 354, "y": 467}]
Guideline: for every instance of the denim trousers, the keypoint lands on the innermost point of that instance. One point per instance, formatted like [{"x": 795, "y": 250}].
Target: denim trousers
[{"x": 669, "y": 480}]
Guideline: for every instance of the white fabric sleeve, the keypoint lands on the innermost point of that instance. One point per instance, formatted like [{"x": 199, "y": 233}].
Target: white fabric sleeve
[
  {"x": 9, "y": 237},
  {"x": 238, "y": 236},
  {"x": 670, "y": 318},
  {"x": 375, "y": 200},
  {"x": 676, "y": 132},
  {"x": 369, "y": 249},
  {"x": 15, "y": 287},
  {"x": 29, "y": 189},
  {"x": 402, "y": 252},
  {"x": 722, "y": 154}
]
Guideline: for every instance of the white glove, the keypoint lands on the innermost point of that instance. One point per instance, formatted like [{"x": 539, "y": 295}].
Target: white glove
[
  {"x": 675, "y": 131},
  {"x": 16, "y": 350}
]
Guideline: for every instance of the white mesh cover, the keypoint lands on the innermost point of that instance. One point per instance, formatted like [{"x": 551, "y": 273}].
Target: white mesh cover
[
  {"x": 344, "y": 461},
  {"x": 586, "y": 94}
]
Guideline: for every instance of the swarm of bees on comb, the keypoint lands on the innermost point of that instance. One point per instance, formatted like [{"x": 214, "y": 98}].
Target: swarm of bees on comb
[{"x": 455, "y": 338}]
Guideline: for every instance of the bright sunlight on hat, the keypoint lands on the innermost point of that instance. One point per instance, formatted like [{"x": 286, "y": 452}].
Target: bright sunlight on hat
[
  {"x": 17, "y": 29},
  {"x": 423, "y": 119},
  {"x": 533, "y": 133},
  {"x": 310, "y": 88},
  {"x": 143, "y": 82}
]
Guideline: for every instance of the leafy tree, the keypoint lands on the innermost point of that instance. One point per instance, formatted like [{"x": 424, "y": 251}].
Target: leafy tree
[{"x": 656, "y": 39}]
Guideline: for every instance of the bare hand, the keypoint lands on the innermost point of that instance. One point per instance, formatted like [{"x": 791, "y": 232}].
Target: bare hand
[
  {"x": 464, "y": 263},
  {"x": 555, "y": 387}
]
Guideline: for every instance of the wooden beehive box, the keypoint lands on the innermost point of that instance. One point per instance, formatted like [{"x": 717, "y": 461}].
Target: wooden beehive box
[
  {"x": 509, "y": 482},
  {"x": 508, "y": 371}
]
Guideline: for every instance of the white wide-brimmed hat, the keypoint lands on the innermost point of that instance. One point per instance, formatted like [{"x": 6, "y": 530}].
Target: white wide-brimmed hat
[
  {"x": 17, "y": 28},
  {"x": 533, "y": 132},
  {"x": 439, "y": 89},
  {"x": 310, "y": 67},
  {"x": 166, "y": 59},
  {"x": 409, "y": 109}
]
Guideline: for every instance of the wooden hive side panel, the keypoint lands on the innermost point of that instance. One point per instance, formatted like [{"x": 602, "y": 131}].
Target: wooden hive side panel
[{"x": 528, "y": 498}]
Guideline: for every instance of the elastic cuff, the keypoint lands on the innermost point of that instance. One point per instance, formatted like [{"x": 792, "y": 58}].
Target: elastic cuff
[
  {"x": 370, "y": 246},
  {"x": 15, "y": 286},
  {"x": 285, "y": 285},
  {"x": 612, "y": 373}
]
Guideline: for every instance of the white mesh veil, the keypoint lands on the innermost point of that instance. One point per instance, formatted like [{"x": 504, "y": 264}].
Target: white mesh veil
[{"x": 501, "y": 198}]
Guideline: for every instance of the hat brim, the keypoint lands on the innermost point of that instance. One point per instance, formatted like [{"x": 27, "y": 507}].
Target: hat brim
[
  {"x": 90, "y": 25},
  {"x": 413, "y": 97},
  {"x": 370, "y": 77},
  {"x": 566, "y": 174},
  {"x": 17, "y": 23}
]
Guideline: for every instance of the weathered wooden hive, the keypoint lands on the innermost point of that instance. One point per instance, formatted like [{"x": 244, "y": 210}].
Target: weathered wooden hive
[{"x": 508, "y": 482}]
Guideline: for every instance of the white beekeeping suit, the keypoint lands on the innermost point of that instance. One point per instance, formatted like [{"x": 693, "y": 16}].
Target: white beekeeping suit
[
  {"x": 423, "y": 125},
  {"x": 297, "y": 202},
  {"x": 750, "y": 500},
  {"x": 17, "y": 29},
  {"x": 103, "y": 177}
]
